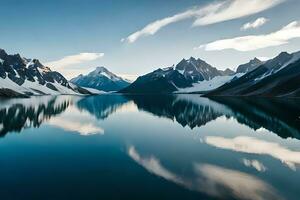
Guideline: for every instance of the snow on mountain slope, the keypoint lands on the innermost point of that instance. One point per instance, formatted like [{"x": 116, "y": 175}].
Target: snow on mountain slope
[
  {"x": 95, "y": 91},
  {"x": 276, "y": 77},
  {"x": 176, "y": 78},
  {"x": 208, "y": 85},
  {"x": 24, "y": 76},
  {"x": 281, "y": 61},
  {"x": 101, "y": 79}
]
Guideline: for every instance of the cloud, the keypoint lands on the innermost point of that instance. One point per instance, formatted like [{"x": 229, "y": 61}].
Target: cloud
[
  {"x": 210, "y": 14},
  {"x": 153, "y": 27},
  {"x": 255, "y": 146},
  {"x": 254, "y": 42},
  {"x": 255, "y": 24},
  {"x": 74, "y": 59}
]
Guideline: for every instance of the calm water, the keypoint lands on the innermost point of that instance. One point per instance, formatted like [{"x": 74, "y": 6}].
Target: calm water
[{"x": 149, "y": 147}]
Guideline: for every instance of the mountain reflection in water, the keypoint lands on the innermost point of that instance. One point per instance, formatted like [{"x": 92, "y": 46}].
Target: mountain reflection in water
[
  {"x": 281, "y": 117},
  {"x": 180, "y": 146}
]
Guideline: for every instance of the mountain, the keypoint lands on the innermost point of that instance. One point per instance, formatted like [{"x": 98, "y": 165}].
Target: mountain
[
  {"x": 20, "y": 77},
  {"x": 196, "y": 70},
  {"x": 279, "y": 76},
  {"x": 101, "y": 79},
  {"x": 171, "y": 79},
  {"x": 250, "y": 66}
]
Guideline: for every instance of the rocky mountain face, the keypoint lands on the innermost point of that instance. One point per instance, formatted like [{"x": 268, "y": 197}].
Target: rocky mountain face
[
  {"x": 279, "y": 76},
  {"x": 250, "y": 66},
  {"x": 196, "y": 70},
  {"x": 168, "y": 80},
  {"x": 101, "y": 79},
  {"x": 21, "y": 76}
]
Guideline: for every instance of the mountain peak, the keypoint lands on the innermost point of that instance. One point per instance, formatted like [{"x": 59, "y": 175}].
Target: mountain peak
[
  {"x": 284, "y": 53},
  {"x": 102, "y": 79},
  {"x": 192, "y": 59},
  {"x": 3, "y": 54},
  {"x": 250, "y": 66},
  {"x": 255, "y": 59},
  {"x": 100, "y": 69}
]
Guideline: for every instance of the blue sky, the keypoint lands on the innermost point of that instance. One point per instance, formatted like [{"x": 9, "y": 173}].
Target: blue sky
[{"x": 75, "y": 36}]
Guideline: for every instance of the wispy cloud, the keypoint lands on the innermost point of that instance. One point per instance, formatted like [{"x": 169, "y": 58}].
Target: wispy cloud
[
  {"x": 254, "y": 42},
  {"x": 74, "y": 59},
  {"x": 255, "y": 24},
  {"x": 210, "y": 14}
]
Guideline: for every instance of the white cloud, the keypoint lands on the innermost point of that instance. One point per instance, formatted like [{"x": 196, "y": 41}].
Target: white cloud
[
  {"x": 74, "y": 59},
  {"x": 153, "y": 27},
  {"x": 255, "y": 146},
  {"x": 210, "y": 14},
  {"x": 254, "y": 42},
  {"x": 255, "y": 24},
  {"x": 233, "y": 9}
]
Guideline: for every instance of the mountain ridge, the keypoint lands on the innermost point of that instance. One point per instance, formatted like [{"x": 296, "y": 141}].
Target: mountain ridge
[
  {"x": 279, "y": 76},
  {"x": 171, "y": 79},
  {"x": 20, "y": 76}
]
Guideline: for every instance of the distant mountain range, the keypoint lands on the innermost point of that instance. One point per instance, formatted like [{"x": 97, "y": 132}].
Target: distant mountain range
[
  {"x": 21, "y": 77},
  {"x": 278, "y": 77},
  {"x": 183, "y": 75},
  {"x": 101, "y": 79}
]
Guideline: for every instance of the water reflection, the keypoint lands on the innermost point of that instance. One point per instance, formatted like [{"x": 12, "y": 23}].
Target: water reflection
[
  {"x": 256, "y": 146},
  {"x": 212, "y": 180},
  {"x": 280, "y": 116},
  {"x": 188, "y": 110},
  {"x": 275, "y": 115},
  {"x": 102, "y": 106},
  {"x": 229, "y": 148},
  {"x": 18, "y": 114}
]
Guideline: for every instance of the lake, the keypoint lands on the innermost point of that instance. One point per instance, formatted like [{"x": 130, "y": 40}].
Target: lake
[{"x": 149, "y": 147}]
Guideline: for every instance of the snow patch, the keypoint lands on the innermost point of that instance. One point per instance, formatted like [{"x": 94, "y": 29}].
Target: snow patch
[{"x": 208, "y": 85}]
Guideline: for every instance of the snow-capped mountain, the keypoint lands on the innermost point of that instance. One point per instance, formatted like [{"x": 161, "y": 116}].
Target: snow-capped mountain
[
  {"x": 22, "y": 77},
  {"x": 250, "y": 66},
  {"x": 171, "y": 79},
  {"x": 101, "y": 79},
  {"x": 198, "y": 70},
  {"x": 279, "y": 76}
]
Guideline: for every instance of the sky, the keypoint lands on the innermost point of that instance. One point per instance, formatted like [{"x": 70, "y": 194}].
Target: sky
[{"x": 134, "y": 37}]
